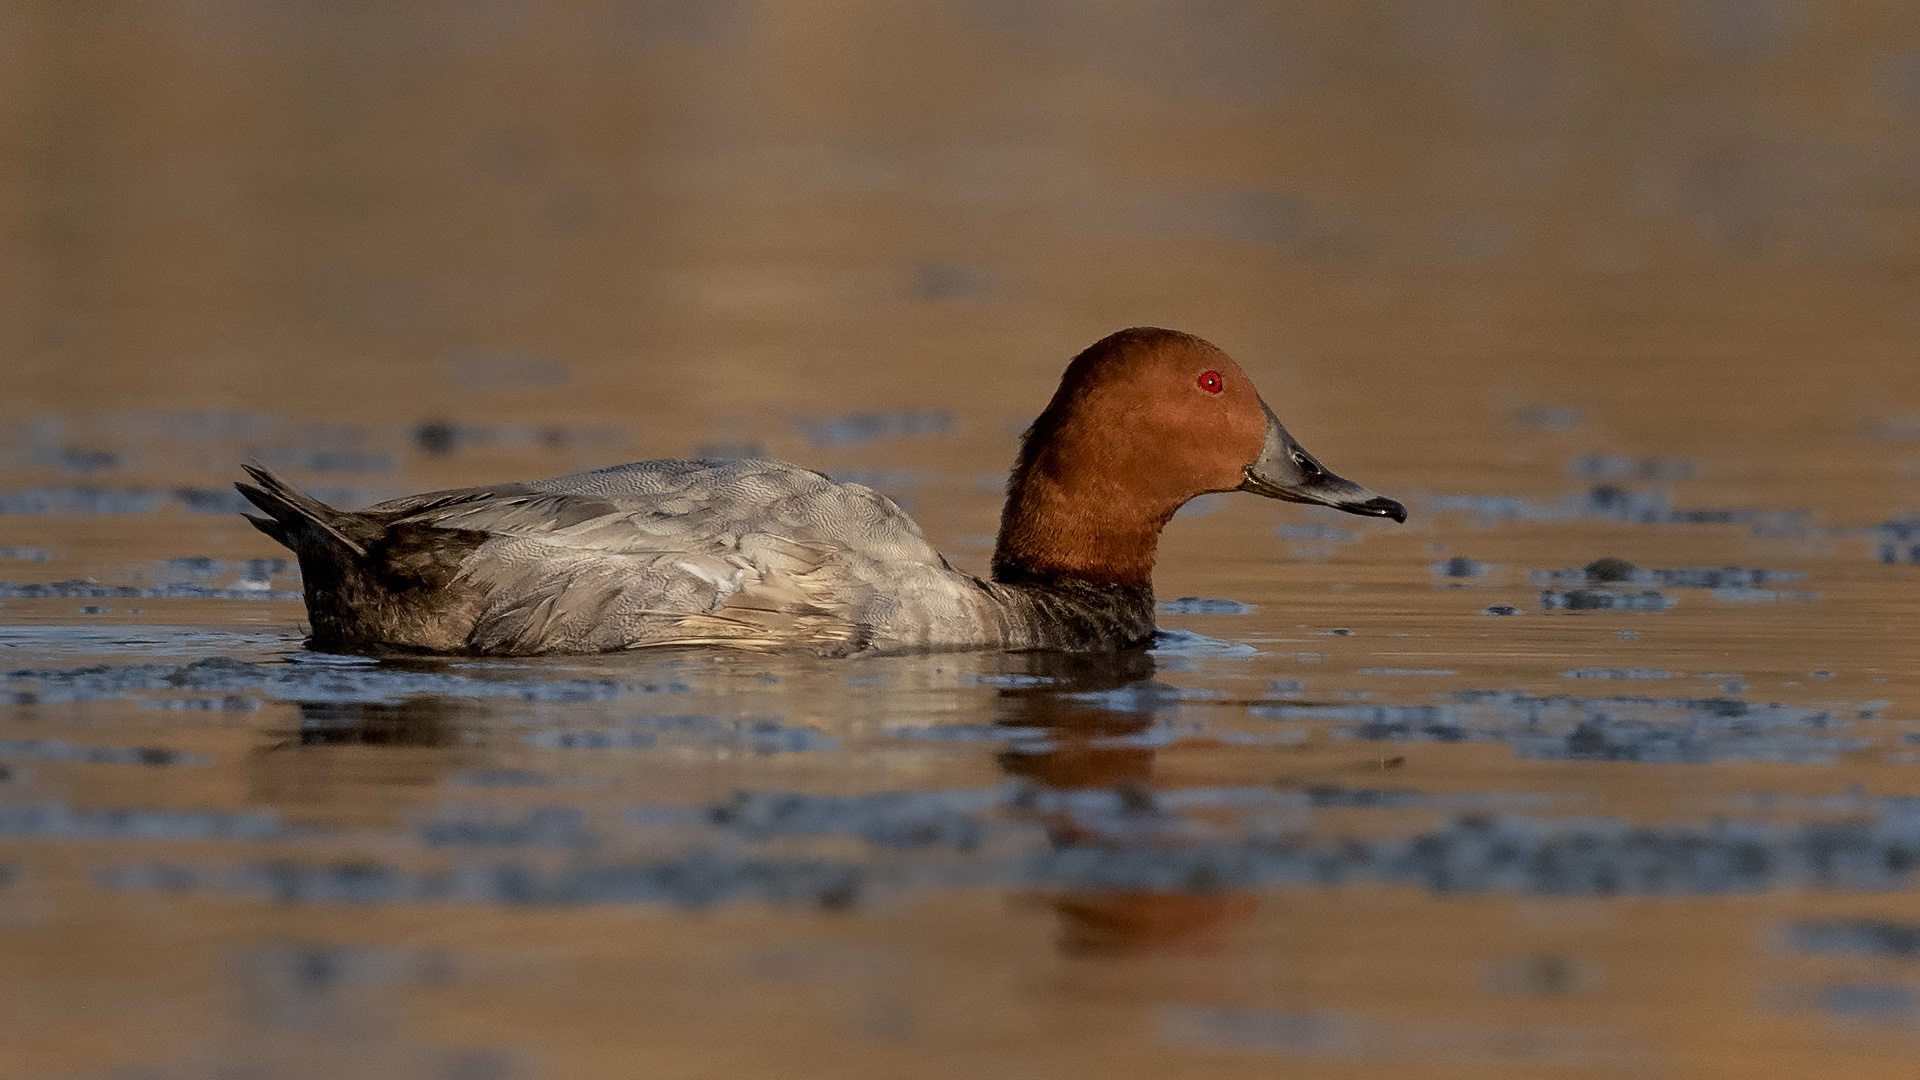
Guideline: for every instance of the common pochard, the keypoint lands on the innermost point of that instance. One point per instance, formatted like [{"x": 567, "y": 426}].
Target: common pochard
[{"x": 767, "y": 555}]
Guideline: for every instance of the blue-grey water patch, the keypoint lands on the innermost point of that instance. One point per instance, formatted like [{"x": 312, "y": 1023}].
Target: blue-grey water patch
[
  {"x": 1459, "y": 567},
  {"x": 144, "y": 641},
  {"x": 504, "y": 777},
  {"x": 89, "y": 500},
  {"x": 223, "y": 703},
  {"x": 486, "y": 826},
  {"x": 1604, "y": 600},
  {"x": 1186, "y": 643},
  {"x": 57, "y": 750},
  {"x": 591, "y": 740},
  {"x": 1853, "y": 936},
  {"x": 300, "y": 986},
  {"x": 357, "y": 680},
  {"x": 1316, "y": 532},
  {"x": 83, "y": 500},
  {"x": 1197, "y": 605},
  {"x": 74, "y": 458},
  {"x": 1899, "y": 540},
  {"x": 754, "y": 734},
  {"x": 1882, "y": 1003},
  {"x": 856, "y": 428},
  {"x": 309, "y": 459},
  {"x": 1468, "y": 855},
  {"x": 1609, "y": 502},
  {"x": 1611, "y": 728},
  {"x": 961, "y": 820},
  {"x": 896, "y": 820},
  {"x": 444, "y": 438},
  {"x": 58, "y": 821},
  {"x": 1140, "y": 697},
  {"x": 82, "y": 588},
  {"x": 198, "y": 439},
  {"x": 1496, "y": 508},
  {"x": 206, "y": 568},
  {"x": 1622, "y": 467},
  {"x": 965, "y": 732},
  {"x": 1336, "y": 796},
  {"x": 1611, "y": 571},
  {"x": 1763, "y": 596},
  {"x": 1018, "y": 679},
  {"x": 1342, "y": 1035},
  {"x": 1857, "y": 937}
]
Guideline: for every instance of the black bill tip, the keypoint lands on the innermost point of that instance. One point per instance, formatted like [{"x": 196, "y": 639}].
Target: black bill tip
[{"x": 1380, "y": 506}]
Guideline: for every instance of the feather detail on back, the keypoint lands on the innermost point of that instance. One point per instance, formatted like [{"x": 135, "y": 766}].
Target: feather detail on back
[{"x": 750, "y": 554}]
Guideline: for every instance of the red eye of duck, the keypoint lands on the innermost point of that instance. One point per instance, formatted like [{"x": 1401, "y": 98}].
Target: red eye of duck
[{"x": 1210, "y": 382}]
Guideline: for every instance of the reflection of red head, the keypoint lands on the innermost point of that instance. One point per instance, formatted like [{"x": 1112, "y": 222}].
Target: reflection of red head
[
  {"x": 1136, "y": 922},
  {"x": 1082, "y": 766},
  {"x": 1082, "y": 726},
  {"x": 1081, "y": 730}
]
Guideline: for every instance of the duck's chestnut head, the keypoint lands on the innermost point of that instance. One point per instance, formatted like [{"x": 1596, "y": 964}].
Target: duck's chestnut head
[{"x": 1144, "y": 420}]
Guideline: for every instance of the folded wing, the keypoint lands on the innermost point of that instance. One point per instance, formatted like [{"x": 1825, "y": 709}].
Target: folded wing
[{"x": 743, "y": 553}]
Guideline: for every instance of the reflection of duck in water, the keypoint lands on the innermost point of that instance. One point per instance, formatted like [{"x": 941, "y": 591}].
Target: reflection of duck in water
[
  {"x": 1091, "y": 709},
  {"x": 763, "y": 554},
  {"x": 364, "y": 763}
]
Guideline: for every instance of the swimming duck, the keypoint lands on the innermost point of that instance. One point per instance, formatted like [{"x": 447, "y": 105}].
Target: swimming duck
[{"x": 767, "y": 555}]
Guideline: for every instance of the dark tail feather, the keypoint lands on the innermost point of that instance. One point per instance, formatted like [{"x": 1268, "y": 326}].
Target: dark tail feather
[
  {"x": 266, "y": 525},
  {"x": 289, "y": 511}
]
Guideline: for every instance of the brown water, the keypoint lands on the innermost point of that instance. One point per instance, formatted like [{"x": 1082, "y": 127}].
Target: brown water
[{"x": 1575, "y": 288}]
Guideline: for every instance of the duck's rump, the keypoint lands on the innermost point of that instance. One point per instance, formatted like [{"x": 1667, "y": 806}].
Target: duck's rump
[{"x": 746, "y": 553}]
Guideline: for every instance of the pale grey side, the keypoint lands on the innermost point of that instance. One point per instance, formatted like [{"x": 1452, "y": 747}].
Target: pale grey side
[{"x": 747, "y": 553}]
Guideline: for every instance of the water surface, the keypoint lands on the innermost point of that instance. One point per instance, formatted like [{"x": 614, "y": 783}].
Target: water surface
[{"x": 1604, "y": 764}]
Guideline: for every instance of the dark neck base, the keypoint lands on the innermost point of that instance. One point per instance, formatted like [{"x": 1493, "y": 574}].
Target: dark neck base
[{"x": 1068, "y": 614}]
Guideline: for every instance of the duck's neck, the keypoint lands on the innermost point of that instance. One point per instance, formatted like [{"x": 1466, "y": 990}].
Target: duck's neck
[
  {"x": 1071, "y": 615},
  {"x": 1080, "y": 526}
]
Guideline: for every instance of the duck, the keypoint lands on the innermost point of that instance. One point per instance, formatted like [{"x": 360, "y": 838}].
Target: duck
[{"x": 767, "y": 555}]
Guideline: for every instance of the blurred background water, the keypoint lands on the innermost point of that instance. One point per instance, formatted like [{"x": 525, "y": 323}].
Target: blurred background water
[{"x": 1603, "y": 765}]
